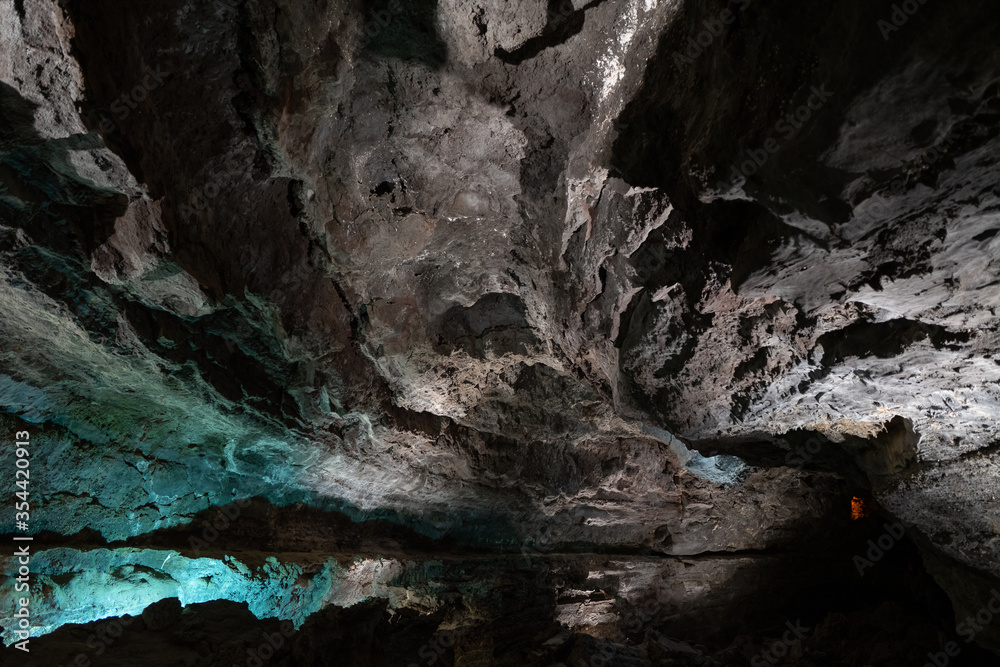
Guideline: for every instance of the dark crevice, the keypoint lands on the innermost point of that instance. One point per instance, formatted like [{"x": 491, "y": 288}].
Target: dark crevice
[
  {"x": 885, "y": 340},
  {"x": 562, "y": 24}
]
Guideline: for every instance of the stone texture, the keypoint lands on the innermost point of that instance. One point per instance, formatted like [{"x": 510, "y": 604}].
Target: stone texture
[{"x": 471, "y": 287}]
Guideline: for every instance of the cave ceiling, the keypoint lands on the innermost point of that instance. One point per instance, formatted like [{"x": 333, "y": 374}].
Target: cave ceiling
[{"x": 469, "y": 332}]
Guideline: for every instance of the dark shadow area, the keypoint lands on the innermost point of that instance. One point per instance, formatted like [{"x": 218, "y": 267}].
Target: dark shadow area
[
  {"x": 404, "y": 29},
  {"x": 64, "y": 211},
  {"x": 563, "y": 22},
  {"x": 885, "y": 340},
  {"x": 761, "y": 66},
  {"x": 496, "y": 324}
]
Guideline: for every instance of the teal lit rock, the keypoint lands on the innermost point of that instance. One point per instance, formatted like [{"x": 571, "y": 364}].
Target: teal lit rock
[{"x": 83, "y": 586}]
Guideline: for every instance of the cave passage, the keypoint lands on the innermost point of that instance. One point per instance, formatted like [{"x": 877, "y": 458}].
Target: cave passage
[{"x": 462, "y": 333}]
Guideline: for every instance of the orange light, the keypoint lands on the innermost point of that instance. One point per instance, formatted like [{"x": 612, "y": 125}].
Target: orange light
[{"x": 860, "y": 508}]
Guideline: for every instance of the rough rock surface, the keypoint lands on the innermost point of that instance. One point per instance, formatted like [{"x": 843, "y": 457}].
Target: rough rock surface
[{"x": 572, "y": 327}]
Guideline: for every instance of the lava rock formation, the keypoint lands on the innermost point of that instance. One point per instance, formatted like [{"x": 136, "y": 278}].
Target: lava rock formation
[{"x": 469, "y": 332}]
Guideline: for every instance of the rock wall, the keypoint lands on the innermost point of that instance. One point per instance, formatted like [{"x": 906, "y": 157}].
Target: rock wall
[{"x": 627, "y": 298}]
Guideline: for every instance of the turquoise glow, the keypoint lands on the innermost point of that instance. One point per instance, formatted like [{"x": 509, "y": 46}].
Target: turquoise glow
[
  {"x": 84, "y": 586},
  {"x": 722, "y": 469}
]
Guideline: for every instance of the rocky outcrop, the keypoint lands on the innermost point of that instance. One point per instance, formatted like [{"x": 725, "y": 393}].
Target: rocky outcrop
[{"x": 627, "y": 299}]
